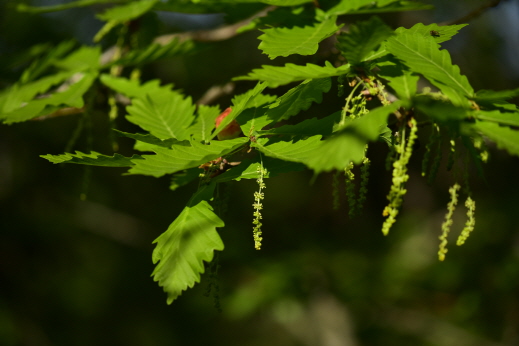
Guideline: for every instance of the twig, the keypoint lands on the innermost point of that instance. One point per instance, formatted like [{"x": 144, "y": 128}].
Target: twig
[{"x": 474, "y": 14}]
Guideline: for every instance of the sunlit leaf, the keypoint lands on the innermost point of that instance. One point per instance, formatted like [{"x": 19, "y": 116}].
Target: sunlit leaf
[
  {"x": 421, "y": 55},
  {"x": 304, "y": 41},
  {"x": 275, "y": 76},
  {"x": 181, "y": 157},
  {"x": 189, "y": 241}
]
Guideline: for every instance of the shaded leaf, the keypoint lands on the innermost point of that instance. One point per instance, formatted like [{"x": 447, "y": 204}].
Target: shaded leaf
[
  {"x": 309, "y": 127},
  {"x": 248, "y": 169},
  {"x": 150, "y": 139},
  {"x": 362, "y": 38},
  {"x": 183, "y": 178},
  {"x": 93, "y": 159},
  {"x": 66, "y": 6},
  {"x": 503, "y": 136},
  {"x": 299, "y": 98},
  {"x": 400, "y": 79},
  {"x": 492, "y": 96},
  {"x": 506, "y": 118},
  {"x": 297, "y": 151}
]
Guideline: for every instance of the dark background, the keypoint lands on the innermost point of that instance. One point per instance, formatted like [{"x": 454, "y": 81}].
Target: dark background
[{"x": 77, "y": 272}]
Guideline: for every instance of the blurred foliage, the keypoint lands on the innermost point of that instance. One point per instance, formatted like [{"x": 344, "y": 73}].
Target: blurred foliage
[{"x": 78, "y": 272}]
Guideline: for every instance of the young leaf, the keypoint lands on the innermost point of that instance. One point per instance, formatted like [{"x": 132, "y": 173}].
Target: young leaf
[
  {"x": 503, "y": 136},
  {"x": 165, "y": 114},
  {"x": 93, "y": 159},
  {"x": 299, "y": 98},
  {"x": 189, "y": 240},
  {"x": 362, "y": 39},
  {"x": 304, "y": 41},
  {"x": 275, "y": 76},
  {"x": 421, "y": 55},
  {"x": 181, "y": 157}
]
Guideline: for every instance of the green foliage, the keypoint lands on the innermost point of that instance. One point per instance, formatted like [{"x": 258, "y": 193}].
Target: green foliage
[{"x": 282, "y": 131}]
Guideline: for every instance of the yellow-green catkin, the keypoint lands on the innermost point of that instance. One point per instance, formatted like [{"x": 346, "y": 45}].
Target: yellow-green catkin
[
  {"x": 479, "y": 144},
  {"x": 446, "y": 226},
  {"x": 470, "y": 204},
  {"x": 364, "y": 178},
  {"x": 350, "y": 188},
  {"x": 258, "y": 205},
  {"x": 400, "y": 177}
]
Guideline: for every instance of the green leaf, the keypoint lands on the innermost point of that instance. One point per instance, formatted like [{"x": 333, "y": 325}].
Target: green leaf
[
  {"x": 275, "y": 76},
  {"x": 93, "y": 159},
  {"x": 18, "y": 95},
  {"x": 504, "y": 137},
  {"x": 183, "y": 178},
  {"x": 180, "y": 157},
  {"x": 362, "y": 38},
  {"x": 303, "y": 41},
  {"x": 440, "y": 111},
  {"x": 253, "y": 119},
  {"x": 421, "y": 55},
  {"x": 72, "y": 97},
  {"x": 84, "y": 58},
  {"x": 41, "y": 65},
  {"x": 241, "y": 103},
  {"x": 281, "y": 16},
  {"x": 132, "y": 88},
  {"x": 309, "y": 127},
  {"x": 121, "y": 14},
  {"x": 349, "y": 143},
  {"x": 445, "y": 32},
  {"x": 154, "y": 52},
  {"x": 492, "y": 96},
  {"x": 400, "y": 79},
  {"x": 299, "y": 98},
  {"x": 191, "y": 239},
  {"x": 150, "y": 139},
  {"x": 66, "y": 6},
  {"x": 204, "y": 123},
  {"x": 288, "y": 150},
  {"x": 165, "y": 114},
  {"x": 380, "y": 6},
  {"x": 248, "y": 169},
  {"x": 498, "y": 117}
]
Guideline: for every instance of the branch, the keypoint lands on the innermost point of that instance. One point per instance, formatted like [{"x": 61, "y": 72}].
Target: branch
[
  {"x": 218, "y": 34},
  {"x": 474, "y": 14}
]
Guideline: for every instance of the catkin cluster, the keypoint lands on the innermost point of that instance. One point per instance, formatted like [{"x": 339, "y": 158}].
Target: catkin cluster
[
  {"x": 400, "y": 177},
  {"x": 258, "y": 205}
]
